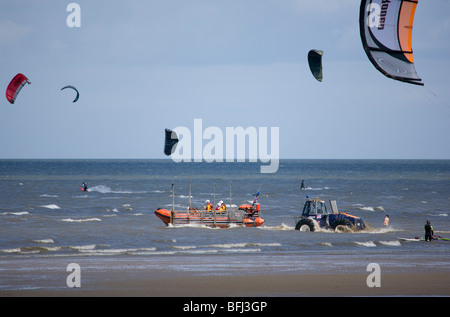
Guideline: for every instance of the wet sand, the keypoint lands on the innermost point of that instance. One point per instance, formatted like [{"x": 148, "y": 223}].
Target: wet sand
[
  {"x": 223, "y": 276},
  {"x": 177, "y": 285}
]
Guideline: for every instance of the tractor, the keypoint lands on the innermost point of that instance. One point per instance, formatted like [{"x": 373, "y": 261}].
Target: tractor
[{"x": 315, "y": 215}]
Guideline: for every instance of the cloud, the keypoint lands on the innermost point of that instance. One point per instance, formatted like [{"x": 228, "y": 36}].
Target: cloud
[
  {"x": 327, "y": 7},
  {"x": 11, "y": 34}
]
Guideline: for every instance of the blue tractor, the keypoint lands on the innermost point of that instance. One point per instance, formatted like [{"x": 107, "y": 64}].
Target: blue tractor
[{"x": 315, "y": 215}]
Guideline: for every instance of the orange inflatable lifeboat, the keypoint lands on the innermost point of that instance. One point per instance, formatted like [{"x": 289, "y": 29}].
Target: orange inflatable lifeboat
[{"x": 246, "y": 215}]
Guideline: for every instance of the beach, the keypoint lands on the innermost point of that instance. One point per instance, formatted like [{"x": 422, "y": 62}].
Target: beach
[{"x": 135, "y": 277}]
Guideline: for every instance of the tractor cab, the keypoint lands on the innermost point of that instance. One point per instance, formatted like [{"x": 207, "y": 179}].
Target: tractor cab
[{"x": 314, "y": 207}]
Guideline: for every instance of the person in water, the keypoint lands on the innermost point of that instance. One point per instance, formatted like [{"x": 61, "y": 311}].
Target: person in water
[
  {"x": 386, "y": 221},
  {"x": 84, "y": 186},
  {"x": 209, "y": 206},
  {"x": 428, "y": 231}
]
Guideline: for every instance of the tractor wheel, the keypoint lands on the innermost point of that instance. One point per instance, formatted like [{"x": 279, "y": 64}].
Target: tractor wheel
[
  {"x": 305, "y": 225},
  {"x": 342, "y": 223}
]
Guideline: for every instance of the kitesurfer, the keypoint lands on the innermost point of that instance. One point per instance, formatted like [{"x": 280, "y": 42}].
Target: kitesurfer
[
  {"x": 302, "y": 186},
  {"x": 209, "y": 206},
  {"x": 84, "y": 186},
  {"x": 428, "y": 231}
]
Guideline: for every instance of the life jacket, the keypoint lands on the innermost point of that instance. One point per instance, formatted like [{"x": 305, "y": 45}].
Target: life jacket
[{"x": 209, "y": 206}]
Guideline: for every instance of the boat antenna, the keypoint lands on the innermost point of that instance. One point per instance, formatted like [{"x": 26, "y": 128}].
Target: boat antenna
[
  {"x": 189, "y": 194},
  {"x": 173, "y": 197},
  {"x": 230, "y": 192}
]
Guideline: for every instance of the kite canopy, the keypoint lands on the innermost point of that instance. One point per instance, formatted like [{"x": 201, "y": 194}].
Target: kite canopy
[
  {"x": 386, "y": 32},
  {"x": 15, "y": 86},
  {"x": 72, "y": 87},
  {"x": 171, "y": 141},
  {"x": 315, "y": 63}
]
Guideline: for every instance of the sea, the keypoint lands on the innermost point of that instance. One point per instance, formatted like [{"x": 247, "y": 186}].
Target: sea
[{"x": 45, "y": 218}]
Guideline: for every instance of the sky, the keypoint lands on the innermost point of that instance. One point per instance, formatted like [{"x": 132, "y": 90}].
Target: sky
[{"x": 144, "y": 65}]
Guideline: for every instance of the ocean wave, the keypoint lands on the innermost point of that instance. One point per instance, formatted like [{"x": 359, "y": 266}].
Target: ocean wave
[
  {"x": 103, "y": 189},
  {"x": 368, "y": 208},
  {"x": 366, "y": 244},
  {"x": 18, "y": 213},
  {"x": 243, "y": 245},
  {"x": 51, "y": 206},
  {"x": 394, "y": 243},
  {"x": 203, "y": 251},
  {"x": 282, "y": 227},
  {"x": 32, "y": 250},
  {"x": 13, "y": 250},
  {"x": 84, "y": 247},
  {"x": 80, "y": 220},
  {"x": 39, "y": 249},
  {"x": 44, "y": 241},
  {"x": 317, "y": 188},
  {"x": 49, "y": 196}
]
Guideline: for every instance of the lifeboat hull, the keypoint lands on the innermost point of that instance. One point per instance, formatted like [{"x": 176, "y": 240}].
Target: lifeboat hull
[{"x": 213, "y": 219}]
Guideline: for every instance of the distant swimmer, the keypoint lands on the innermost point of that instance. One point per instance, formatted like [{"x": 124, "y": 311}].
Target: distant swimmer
[
  {"x": 386, "y": 221},
  {"x": 302, "y": 186},
  {"x": 84, "y": 187},
  {"x": 428, "y": 231}
]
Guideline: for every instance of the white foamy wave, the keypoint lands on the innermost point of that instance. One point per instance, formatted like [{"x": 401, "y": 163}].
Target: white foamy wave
[
  {"x": 282, "y": 227},
  {"x": 366, "y": 244},
  {"x": 366, "y": 208},
  {"x": 243, "y": 245},
  {"x": 15, "y": 250},
  {"x": 44, "y": 241},
  {"x": 84, "y": 247},
  {"x": 80, "y": 220},
  {"x": 48, "y": 196},
  {"x": 132, "y": 251},
  {"x": 18, "y": 213},
  {"x": 32, "y": 250},
  {"x": 384, "y": 229},
  {"x": 51, "y": 206},
  {"x": 194, "y": 251},
  {"x": 394, "y": 243},
  {"x": 184, "y": 247},
  {"x": 326, "y": 244},
  {"x": 127, "y": 207},
  {"x": 38, "y": 249},
  {"x": 317, "y": 188},
  {"x": 103, "y": 189}
]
